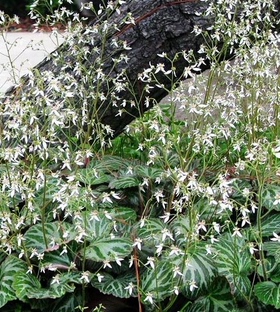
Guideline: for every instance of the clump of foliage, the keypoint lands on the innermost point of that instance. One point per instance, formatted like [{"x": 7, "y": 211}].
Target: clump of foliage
[{"x": 181, "y": 213}]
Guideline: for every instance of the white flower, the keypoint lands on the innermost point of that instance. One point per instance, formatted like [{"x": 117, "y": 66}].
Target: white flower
[
  {"x": 236, "y": 232},
  {"x": 30, "y": 269},
  {"x": 166, "y": 233},
  {"x": 149, "y": 298},
  {"x": 106, "y": 263},
  {"x": 118, "y": 261},
  {"x": 130, "y": 288},
  {"x": 277, "y": 199},
  {"x": 252, "y": 248},
  {"x": 193, "y": 286},
  {"x": 85, "y": 277},
  {"x": 176, "y": 290},
  {"x": 137, "y": 243},
  {"x": 159, "y": 249},
  {"x": 56, "y": 279},
  {"x": 175, "y": 251},
  {"x": 99, "y": 277},
  {"x": 201, "y": 226},
  {"x": 276, "y": 238},
  {"x": 151, "y": 262},
  {"x": 165, "y": 217},
  {"x": 176, "y": 271}
]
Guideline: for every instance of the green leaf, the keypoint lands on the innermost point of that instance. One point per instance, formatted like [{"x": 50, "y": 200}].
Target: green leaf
[
  {"x": 197, "y": 266},
  {"x": 151, "y": 231},
  {"x": 69, "y": 302},
  {"x": 125, "y": 181},
  {"x": 181, "y": 227},
  {"x": 148, "y": 172},
  {"x": 273, "y": 249},
  {"x": 217, "y": 299},
  {"x": 270, "y": 224},
  {"x": 24, "y": 284},
  {"x": 28, "y": 286},
  {"x": 8, "y": 269},
  {"x": 159, "y": 281},
  {"x": 233, "y": 261},
  {"x": 124, "y": 214},
  {"x": 90, "y": 177},
  {"x": 97, "y": 225},
  {"x": 118, "y": 286},
  {"x": 53, "y": 238},
  {"x": 270, "y": 198},
  {"x": 110, "y": 164},
  {"x": 108, "y": 249},
  {"x": 269, "y": 293}
]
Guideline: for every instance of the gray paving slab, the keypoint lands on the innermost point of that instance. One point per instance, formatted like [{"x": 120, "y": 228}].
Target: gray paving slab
[{"x": 20, "y": 51}]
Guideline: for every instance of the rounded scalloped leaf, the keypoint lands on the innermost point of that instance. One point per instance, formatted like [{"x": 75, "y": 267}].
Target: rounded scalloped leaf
[
  {"x": 52, "y": 237},
  {"x": 268, "y": 293},
  {"x": 108, "y": 249},
  {"x": 159, "y": 281},
  {"x": 270, "y": 197},
  {"x": 118, "y": 287},
  {"x": 217, "y": 299},
  {"x": 8, "y": 269}
]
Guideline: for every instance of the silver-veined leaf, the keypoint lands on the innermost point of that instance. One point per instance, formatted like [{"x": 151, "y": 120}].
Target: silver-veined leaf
[
  {"x": 218, "y": 298},
  {"x": 108, "y": 249},
  {"x": 118, "y": 287},
  {"x": 269, "y": 293},
  {"x": 90, "y": 177},
  {"x": 97, "y": 225},
  {"x": 69, "y": 302},
  {"x": 53, "y": 238},
  {"x": 28, "y": 286},
  {"x": 197, "y": 266},
  {"x": 148, "y": 172},
  {"x": 125, "y": 181},
  {"x": 24, "y": 284},
  {"x": 110, "y": 164},
  {"x": 124, "y": 214},
  {"x": 270, "y": 197},
  {"x": 8, "y": 269},
  {"x": 270, "y": 224},
  {"x": 273, "y": 249},
  {"x": 233, "y": 261},
  {"x": 182, "y": 229},
  {"x": 160, "y": 281},
  {"x": 152, "y": 231}
]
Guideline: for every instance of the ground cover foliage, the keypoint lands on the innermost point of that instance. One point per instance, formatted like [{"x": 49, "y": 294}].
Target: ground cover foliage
[{"x": 181, "y": 211}]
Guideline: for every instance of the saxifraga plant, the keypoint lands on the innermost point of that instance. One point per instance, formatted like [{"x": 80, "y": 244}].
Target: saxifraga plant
[{"x": 185, "y": 218}]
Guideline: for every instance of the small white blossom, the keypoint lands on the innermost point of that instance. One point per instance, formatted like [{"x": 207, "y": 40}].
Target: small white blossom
[
  {"x": 193, "y": 286},
  {"x": 137, "y": 243},
  {"x": 276, "y": 238},
  {"x": 176, "y": 271},
  {"x": 130, "y": 288},
  {"x": 55, "y": 279},
  {"x": 151, "y": 262},
  {"x": 99, "y": 277},
  {"x": 236, "y": 232},
  {"x": 106, "y": 264},
  {"x": 149, "y": 298},
  {"x": 85, "y": 277}
]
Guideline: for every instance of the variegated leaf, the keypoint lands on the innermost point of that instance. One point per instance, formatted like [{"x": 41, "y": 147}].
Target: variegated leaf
[
  {"x": 270, "y": 197},
  {"x": 159, "y": 282},
  {"x": 269, "y": 293},
  {"x": 218, "y": 298},
  {"x": 50, "y": 237},
  {"x": 108, "y": 249},
  {"x": 233, "y": 261},
  {"x": 123, "y": 286}
]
